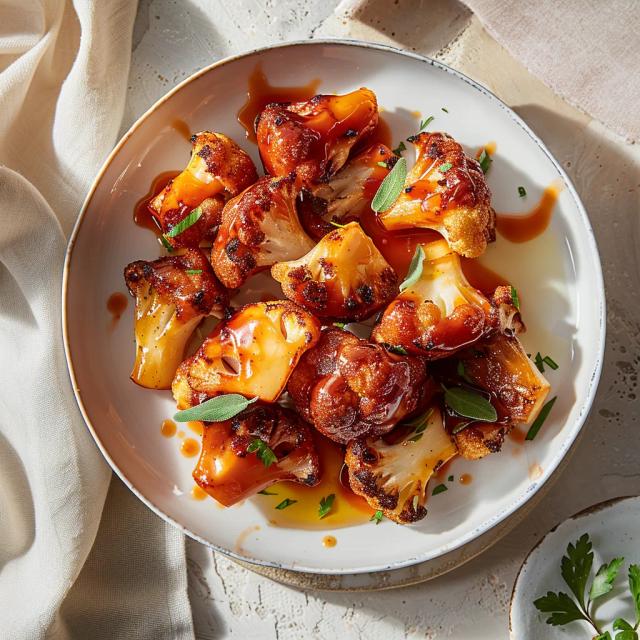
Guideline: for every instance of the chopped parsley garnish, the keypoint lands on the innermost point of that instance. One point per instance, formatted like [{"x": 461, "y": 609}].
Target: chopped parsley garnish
[
  {"x": 450, "y": 479},
  {"x": 522, "y": 192},
  {"x": 185, "y": 223},
  {"x": 485, "y": 161},
  {"x": 325, "y": 505},
  {"x": 165, "y": 243},
  {"x": 262, "y": 450},
  {"x": 441, "y": 488},
  {"x": 515, "y": 298},
  {"x": 382, "y": 164},
  {"x": 396, "y": 348},
  {"x": 399, "y": 149},
  {"x": 193, "y": 272},
  {"x": 539, "y": 421},
  {"x": 443, "y": 168},
  {"x": 287, "y": 502},
  {"x": 425, "y": 123},
  {"x": 549, "y": 361},
  {"x": 337, "y": 224},
  {"x": 340, "y": 325},
  {"x": 539, "y": 362},
  {"x": 445, "y": 109},
  {"x": 264, "y": 492},
  {"x": 419, "y": 425},
  {"x": 376, "y": 517}
]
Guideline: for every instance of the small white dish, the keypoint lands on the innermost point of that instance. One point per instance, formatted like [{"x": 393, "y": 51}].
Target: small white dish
[
  {"x": 558, "y": 276},
  {"x": 612, "y": 527}
]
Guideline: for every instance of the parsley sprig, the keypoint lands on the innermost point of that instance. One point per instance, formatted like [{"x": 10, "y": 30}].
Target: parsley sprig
[
  {"x": 576, "y": 569},
  {"x": 263, "y": 451}
]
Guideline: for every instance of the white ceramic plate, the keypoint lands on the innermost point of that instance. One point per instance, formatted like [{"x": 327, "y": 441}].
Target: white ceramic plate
[
  {"x": 558, "y": 276},
  {"x": 612, "y": 527}
]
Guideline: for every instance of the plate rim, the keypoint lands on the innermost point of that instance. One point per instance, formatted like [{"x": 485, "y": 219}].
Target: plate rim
[{"x": 488, "y": 524}]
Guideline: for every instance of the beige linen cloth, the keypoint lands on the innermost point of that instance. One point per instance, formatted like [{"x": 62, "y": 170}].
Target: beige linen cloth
[{"x": 63, "y": 74}]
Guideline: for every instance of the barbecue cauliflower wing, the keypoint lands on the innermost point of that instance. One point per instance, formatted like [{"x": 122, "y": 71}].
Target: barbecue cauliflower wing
[
  {"x": 343, "y": 277},
  {"x": 218, "y": 170},
  {"x": 173, "y": 295},
  {"x": 253, "y": 352},
  {"x": 259, "y": 228},
  {"x": 348, "y": 387},
  {"x": 230, "y": 471},
  {"x": 441, "y": 312},
  {"x": 393, "y": 477},
  {"x": 446, "y": 191},
  {"x": 347, "y": 194},
  {"x": 314, "y": 137}
]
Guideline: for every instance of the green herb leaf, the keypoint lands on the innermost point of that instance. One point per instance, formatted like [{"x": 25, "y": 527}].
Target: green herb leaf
[
  {"x": 450, "y": 479},
  {"x": 445, "y": 109},
  {"x": 634, "y": 586},
  {"x": 522, "y": 192},
  {"x": 376, "y": 517},
  {"x": 605, "y": 636},
  {"x": 193, "y": 272},
  {"x": 548, "y": 360},
  {"x": 337, "y": 224},
  {"x": 603, "y": 582},
  {"x": 444, "y": 167},
  {"x": 264, "y": 492},
  {"x": 340, "y": 325},
  {"x": 399, "y": 349},
  {"x": 441, "y": 488},
  {"x": 576, "y": 566},
  {"x": 485, "y": 161},
  {"x": 287, "y": 502},
  {"x": 470, "y": 404},
  {"x": 415, "y": 269},
  {"x": 419, "y": 425},
  {"x": 425, "y": 123},
  {"x": 515, "y": 298},
  {"x": 165, "y": 243},
  {"x": 620, "y": 624},
  {"x": 382, "y": 164},
  {"x": 539, "y": 362},
  {"x": 185, "y": 223},
  {"x": 461, "y": 426},
  {"x": 262, "y": 450},
  {"x": 391, "y": 187},
  {"x": 325, "y": 505},
  {"x": 399, "y": 149},
  {"x": 462, "y": 372},
  {"x": 561, "y": 607},
  {"x": 539, "y": 421},
  {"x": 216, "y": 409},
  {"x": 623, "y": 635}
]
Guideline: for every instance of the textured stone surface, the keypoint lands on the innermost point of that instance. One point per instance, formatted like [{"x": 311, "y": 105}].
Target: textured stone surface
[{"x": 173, "y": 39}]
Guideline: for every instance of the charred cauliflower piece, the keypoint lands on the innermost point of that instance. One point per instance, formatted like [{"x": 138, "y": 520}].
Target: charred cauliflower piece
[
  {"x": 348, "y": 387},
  {"x": 446, "y": 191},
  {"x": 348, "y": 194},
  {"x": 500, "y": 366},
  {"x": 218, "y": 170},
  {"x": 259, "y": 228},
  {"x": 229, "y": 472},
  {"x": 393, "y": 477},
  {"x": 172, "y": 295},
  {"x": 314, "y": 137},
  {"x": 441, "y": 312},
  {"x": 254, "y": 352},
  {"x": 343, "y": 277}
]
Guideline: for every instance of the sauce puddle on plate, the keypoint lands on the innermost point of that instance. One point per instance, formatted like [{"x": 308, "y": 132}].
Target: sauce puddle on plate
[
  {"x": 116, "y": 305},
  {"x": 143, "y": 216}
]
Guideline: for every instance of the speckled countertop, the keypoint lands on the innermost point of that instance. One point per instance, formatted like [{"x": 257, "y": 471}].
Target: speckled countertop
[{"x": 172, "y": 39}]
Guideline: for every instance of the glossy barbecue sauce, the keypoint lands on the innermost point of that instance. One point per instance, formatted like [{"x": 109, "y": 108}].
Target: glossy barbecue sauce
[
  {"x": 260, "y": 93},
  {"x": 348, "y": 509},
  {"x": 116, "y": 305},
  {"x": 143, "y": 215},
  {"x": 525, "y": 227}
]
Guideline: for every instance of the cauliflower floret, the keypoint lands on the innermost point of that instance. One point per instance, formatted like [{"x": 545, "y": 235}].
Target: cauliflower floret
[
  {"x": 393, "y": 477},
  {"x": 348, "y": 194},
  {"x": 500, "y": 366},
  {"x": 314, "y": 137},
  {"x": 441, "y": 312},
  {"x": 218, "y": 170},
  {"x": 348, "y": 387},
  {"x": 254, "y": 352},
  {"x": 259, "y": 228},
  {"x": 343, "y": 277},
  {"x": 172, "y": 295},
  {"x": 446, "y": 191},
  {"x": 230, "y": 471}
]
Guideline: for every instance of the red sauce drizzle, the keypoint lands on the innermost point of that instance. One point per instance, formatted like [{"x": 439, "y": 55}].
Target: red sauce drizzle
[
  {"x": 260, "y": 93},
  {"x": 522, "y": 228},
  {"x": 116, "y": 304},
  {"x": 143, "y": 216}
]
